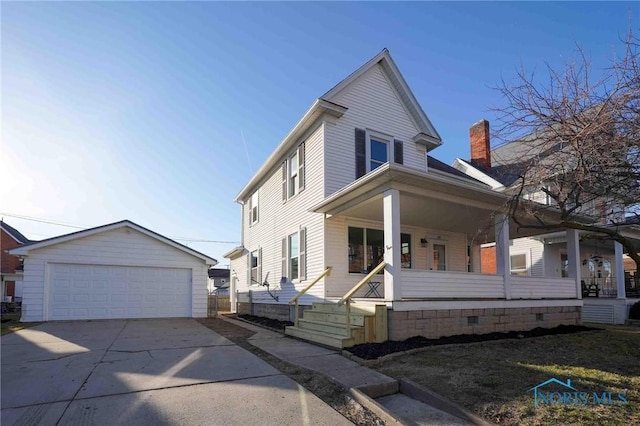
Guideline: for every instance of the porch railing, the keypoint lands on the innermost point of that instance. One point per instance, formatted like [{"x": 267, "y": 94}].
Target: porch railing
[
  {"x": 424, "y": 284},
  {"x": 296, "y": 298},
  {"x": 539, "y": 288},
  {"x": 346, "y": 299}
]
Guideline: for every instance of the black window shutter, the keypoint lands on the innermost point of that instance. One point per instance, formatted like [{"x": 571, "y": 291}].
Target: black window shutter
[
  {"x": 284, "y": 257},
  {"x": 301, "y": 167},
  {"x": 284, "y": 181},
  {"x": 361, "y": 156},
  {"x": 398, "y": 153}
]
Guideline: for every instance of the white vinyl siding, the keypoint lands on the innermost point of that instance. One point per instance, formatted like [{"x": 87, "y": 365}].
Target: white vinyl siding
[
  {"x": 279, "y": 220},
  {"x": 534, "y": 249},
  {"x": 119, "y": 247},
  {"x": 372, "y": 104}
]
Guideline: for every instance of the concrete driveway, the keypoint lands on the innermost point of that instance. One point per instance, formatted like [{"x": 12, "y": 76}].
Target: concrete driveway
[{"x": 172, "y": 371}]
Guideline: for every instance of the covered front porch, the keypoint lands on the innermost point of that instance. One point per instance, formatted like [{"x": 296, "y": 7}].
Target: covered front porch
[{"x": 428, "y": 228}]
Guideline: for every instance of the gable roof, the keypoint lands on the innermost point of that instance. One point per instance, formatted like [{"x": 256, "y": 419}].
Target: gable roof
[
  {"x": 34, "y": 245},
  {"x": 13, "y": 233},
  {"x": 400, "y": 85},
  {"x": 325, "y": 104}
]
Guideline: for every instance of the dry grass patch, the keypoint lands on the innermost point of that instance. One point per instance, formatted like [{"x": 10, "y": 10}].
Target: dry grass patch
[{"x": 492, "y": 379}]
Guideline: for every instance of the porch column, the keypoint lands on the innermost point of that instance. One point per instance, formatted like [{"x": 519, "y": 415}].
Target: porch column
[
  {"x": 573, "y": 258},
  {"x": 503, "y": 261},
  {"x": 619, "y": 270},
  {"x": 392, "y": 244}
]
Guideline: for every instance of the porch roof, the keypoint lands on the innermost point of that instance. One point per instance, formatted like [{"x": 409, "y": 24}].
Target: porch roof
[{"x": 431, "y": 199}]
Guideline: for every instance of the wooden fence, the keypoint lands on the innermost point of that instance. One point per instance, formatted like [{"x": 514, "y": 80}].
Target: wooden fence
[{"x": 218, "y": 304}]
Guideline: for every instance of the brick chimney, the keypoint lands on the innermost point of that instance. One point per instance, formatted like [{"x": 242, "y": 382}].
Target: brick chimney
[{"x": 480, "y": 144}]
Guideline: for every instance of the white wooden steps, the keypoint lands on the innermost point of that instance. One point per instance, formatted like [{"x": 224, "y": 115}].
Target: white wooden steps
[{"x": 325, "y": 323}]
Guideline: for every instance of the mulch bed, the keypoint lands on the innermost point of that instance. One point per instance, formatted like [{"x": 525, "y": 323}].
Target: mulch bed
[
  {"x": 267, "y": 322},
  {"x": 376, "y": 350}
]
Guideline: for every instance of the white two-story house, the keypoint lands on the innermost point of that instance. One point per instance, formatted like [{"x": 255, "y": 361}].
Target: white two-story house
[
  {"x": 353, "y": 188},
  {"x": 607, "y": 293}
]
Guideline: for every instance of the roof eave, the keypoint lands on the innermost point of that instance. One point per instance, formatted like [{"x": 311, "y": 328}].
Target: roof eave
[
  {"x": 317, "y": 109},
  {"x": 234, "y": 253},
  {"x": 26, "y": 248}
]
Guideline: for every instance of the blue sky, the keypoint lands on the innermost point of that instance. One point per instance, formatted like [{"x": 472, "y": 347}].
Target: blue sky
[{"x": 137, "y": 110}]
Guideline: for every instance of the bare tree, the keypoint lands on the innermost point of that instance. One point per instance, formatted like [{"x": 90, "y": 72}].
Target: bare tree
[{"x": 579, "y": 149}]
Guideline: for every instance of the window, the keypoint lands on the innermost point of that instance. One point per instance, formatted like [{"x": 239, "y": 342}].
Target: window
[
  {"x": 293, "y": 177},
  {"x": 374, "y": 149},
  {"x": 366, "y": 249},
  {"x": 439, "y": 257},
  {"x": 519, "y": 264},
  {"x": 293, "y": 174},
  {"x": 378, "y": 153},
  {"x": 294, "y": 255},
  {"x": 405, "y": 253},
  {"x": 253, "y": 208},
  {"x": 254, "y": 267}
]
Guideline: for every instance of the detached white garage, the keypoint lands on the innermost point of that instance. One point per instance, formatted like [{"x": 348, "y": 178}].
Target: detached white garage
[{"x": 120, "y": 270}]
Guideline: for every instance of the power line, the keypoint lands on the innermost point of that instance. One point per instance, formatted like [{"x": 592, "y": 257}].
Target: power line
[{"x": 51, "y": 222}]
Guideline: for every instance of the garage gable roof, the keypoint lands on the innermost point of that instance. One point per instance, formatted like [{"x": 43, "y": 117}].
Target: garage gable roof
[{"x": 26, "y": 248}]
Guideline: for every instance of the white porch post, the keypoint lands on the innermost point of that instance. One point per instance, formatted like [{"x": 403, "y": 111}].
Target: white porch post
[
  {"x": 573, "y": 258},
  {"x": 619, "y": 270},
  {"x": 503, "y": 262},
  {"x": 392, "y": 245}
]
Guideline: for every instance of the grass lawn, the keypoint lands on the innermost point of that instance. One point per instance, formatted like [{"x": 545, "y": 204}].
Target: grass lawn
[
  {"x": 14, "y": 323},
  {"x": 491, "y": 379}
]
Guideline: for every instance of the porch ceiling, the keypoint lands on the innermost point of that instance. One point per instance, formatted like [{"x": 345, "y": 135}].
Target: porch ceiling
[
  {"x": 427, "y": 199},
  {"x": 427, "y": 213}
]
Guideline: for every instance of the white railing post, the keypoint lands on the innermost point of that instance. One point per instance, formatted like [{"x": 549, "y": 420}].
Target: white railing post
[
  {"x": 619, "y": 271},
  {"x": 503, "y": 260},
  {"x": 392, "y": 245},
  {"x": 573, "y": 258}
]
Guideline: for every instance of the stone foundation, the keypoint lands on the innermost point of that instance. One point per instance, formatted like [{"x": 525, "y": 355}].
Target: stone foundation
[
  {"x": 438, "y": 323},
  {"x": 270, "y": 310}
]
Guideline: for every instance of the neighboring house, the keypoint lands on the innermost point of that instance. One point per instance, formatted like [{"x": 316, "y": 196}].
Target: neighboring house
[
  {"x": 353, "y": 184},
  {"x": 546, "y": 256},
  {"x": 11, "y": 265},
  {"x": 219, "y": 281},
  {"x": 119, "y": 270}
]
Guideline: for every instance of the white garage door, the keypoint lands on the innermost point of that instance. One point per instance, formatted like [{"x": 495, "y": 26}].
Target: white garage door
[{"x": 103, "y": 292}]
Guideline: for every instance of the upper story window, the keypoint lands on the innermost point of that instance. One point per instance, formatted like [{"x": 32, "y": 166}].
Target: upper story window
[
  {"x": 293, "y": 173},
  {"x": 374, "y": 149},
  {"x": 378, "y": 153},
  {"x": 253, "y": 208}
]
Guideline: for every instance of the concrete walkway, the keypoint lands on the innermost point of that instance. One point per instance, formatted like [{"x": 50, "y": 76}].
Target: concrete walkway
[
  {"x": 143, "y": 372},
  {"x": 383, "y": 389}
]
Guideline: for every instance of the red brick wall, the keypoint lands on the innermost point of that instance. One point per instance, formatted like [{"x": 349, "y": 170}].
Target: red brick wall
[
  {"x": 488, "y": 260},
  {"x": 8, "y": 262}
]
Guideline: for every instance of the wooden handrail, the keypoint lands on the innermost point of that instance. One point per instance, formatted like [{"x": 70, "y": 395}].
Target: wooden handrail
[
  {"x": 314, "y": 282},
  {"x": 362, "y": 282},
  {"x": 294, "y": 301}
]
